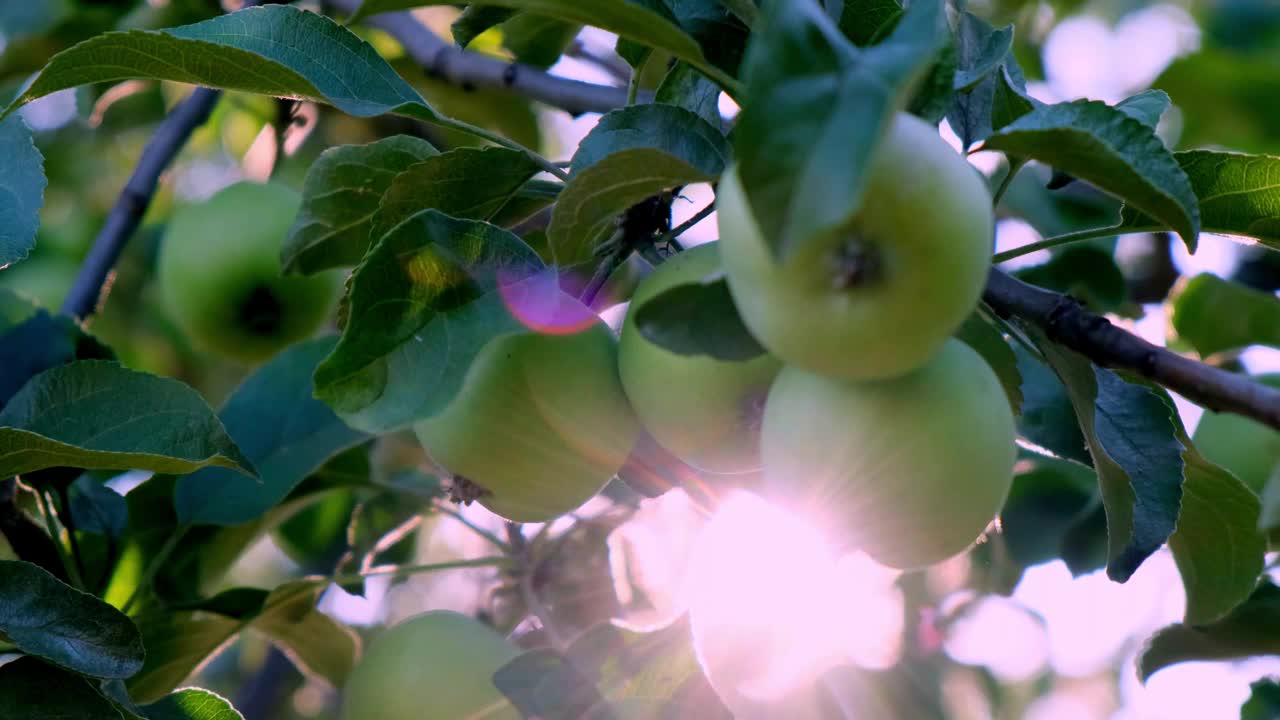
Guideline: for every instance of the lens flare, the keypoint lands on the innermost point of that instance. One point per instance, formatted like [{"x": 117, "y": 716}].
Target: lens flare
[{"x": 773, "y": 608}]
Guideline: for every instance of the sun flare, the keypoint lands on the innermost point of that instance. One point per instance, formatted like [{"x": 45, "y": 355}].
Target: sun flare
[{"x": 773, "y": 607}]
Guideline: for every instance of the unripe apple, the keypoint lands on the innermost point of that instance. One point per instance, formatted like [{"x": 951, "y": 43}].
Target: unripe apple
[
  {"x": 434, "y": 666},
  {"x": 705, "y": 411},
  {"x": 878, "y": 297},
  {"x": 910, "y": 470},
  {"x": 1249, "y": 449},
  {"x": 219, "y": 273},
  {"x": 539, "y": 425}
]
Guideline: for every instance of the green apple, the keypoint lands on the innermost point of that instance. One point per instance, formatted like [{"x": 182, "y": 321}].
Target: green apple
[
  {"x": 434, "y": 666},
  {"x": 705, "y": 411},
  {"x": 910, "y": 470},
  {"x": 219, "y": 274},
  {"x": 878, "y": 297},
  {"x": 1249, "y": 449},
  {"x": 540, "y": 423}
]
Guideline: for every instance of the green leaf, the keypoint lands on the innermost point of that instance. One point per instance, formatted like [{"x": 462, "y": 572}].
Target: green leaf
[
  {"x": 381, "y": 523},
  {"x": 423, "y": 303},
  {"x": 178, "y": 643},
  {"x": 467, "y": 183},
  {"x": 1251, "y": 629},
  {"x": 1217, "y": 545},
  {"x": 32, "y": 689},
  {"x": 608, "y": 668},
  {"x": 340, "y": 196},
  {"x": 270, "y": 50},
  {"x": 1147, "y": 107},
  {"x": 981, "y": 335},
  {"x": 1238, "y": 195},
  {"x": 285, "y": 431},
  {"x": 632, "y": 19},
  {"x": 1051, "y": 500},
  {"x": 538, "y": 40},
  {"x": 1226, "y": 99},
  {"x": 1086, "y": 272},
  {"x": 1113, "y": 151},
  {"x": 995, "y": 98},
  {"x": 96, "y": 508},
  {"x": 476, "y": 19},
  {"x": 698, "y": 319},
  {"x": 316, "y": 536},
  {"x": 41, "y": 342},
  {"x": 585, "y": 215},
  {"x": 44, "y": 617},
  {"x": 685, "y": 87},
  {"x": 1136, "y": 451},
  {"x": 673, "y": 130},
  {"x": 866, "y": 22},
  {"x": 1048, "y": 419},
  {"x": 14, "y": 309},
  {"x": 192, "y": 704},
  {"x": 1263, "y": 702},
  {"x": 22, "y": 184},
  {"x": 980, "y": 59},
  {"x": 818, "y": 109},
  {"x": 98, "y": 415},
  {"x": 1215, "y": 315}
]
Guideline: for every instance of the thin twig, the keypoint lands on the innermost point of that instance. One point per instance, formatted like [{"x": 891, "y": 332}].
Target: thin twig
[
  {"x": 1057, "y": 240},
  {"x": 1015, "y": 164},
  {"x": 612, "y": 64},
  {"x": 403, "y": 571},
  {"x": 467, "y": 69},
  {"x": 687, "y": 225},
  {"x": 493, "y": 539},
  {"x": 169, "y": 138},
  {"x": 1067, "y": 322}
]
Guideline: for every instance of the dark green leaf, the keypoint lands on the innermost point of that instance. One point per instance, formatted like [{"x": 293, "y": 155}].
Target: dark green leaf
[
  {"x": 935, "y": 95},
  {"x": 272, "y": 50},
  {"x": 544, "y": 684},
  {"x": 698, "y": 319},
  {"x": 1113, "y": 151},
  {"x": 22, "y": 185},
  {"x": 343, "y": 189},
  {"x": 673, "y": 130},
  {"x": 586, "y": 213},
  {"x": 685, "y": 87},
  {"x": 192, "y": 704},
  {"x": 1251, "y": 629},
  {"x": 285, "y": 431},
  {"x": 96, "y": 508},
  {"x": 380, "y": 523},
  {"x": 996, "y": 96},
  {"x": 14, "y": 309},
  {"x": 1086, "y": 272},
  {"x": 44, "y": 617},
  {"x": 866, "y": 22},
  {"x": 315, "y": 537},
  {"x": 32, "y": 689},
  {"x": 423, "y": 303},
  {"x": 818, "y": 109},
  {"x": 1050, "y": 499},
  {"x": 98, "y": 415},
  {"x": 981, "y": 335},
  {"x": 476, "y": 19},
  {"x": 979, "y": 59},
  {"x": 636, "y": 20},
  {"x": 467, "y": 183},
  {"x": 1214, "y": 315},
  {"x": 40, "y": 342},
  {"x": 1048, "y": 419},
  {"x": 1238, "y": 194},
  {"x": 538, "y": 40},
  {"x": 180, "y": 642},
  {"x": 1135, "y": 450},
  {"x": 1263, "y": 702}
]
